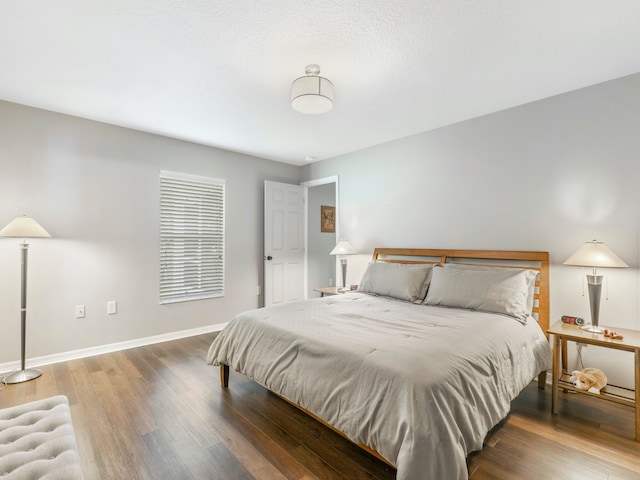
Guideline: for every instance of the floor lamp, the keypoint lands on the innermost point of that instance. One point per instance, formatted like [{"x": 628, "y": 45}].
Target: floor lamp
[
  {"x": 595, "y": 254},
  {"x": 23, "y": 227}
]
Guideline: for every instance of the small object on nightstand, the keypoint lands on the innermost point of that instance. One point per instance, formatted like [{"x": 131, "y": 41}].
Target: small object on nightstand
[
  {"x": 572, "y": 320},
  {"x": 613, "y": 335}
]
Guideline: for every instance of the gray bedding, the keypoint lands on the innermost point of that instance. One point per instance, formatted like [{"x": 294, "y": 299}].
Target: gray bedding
[{"x": 421, "y": 385}]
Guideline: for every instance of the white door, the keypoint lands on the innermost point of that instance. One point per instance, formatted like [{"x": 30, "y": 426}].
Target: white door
[{"x": 283, "y": 243}]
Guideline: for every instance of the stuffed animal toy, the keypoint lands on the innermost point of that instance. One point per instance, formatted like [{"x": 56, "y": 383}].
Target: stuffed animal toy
[{"x": 590, "y": 379}]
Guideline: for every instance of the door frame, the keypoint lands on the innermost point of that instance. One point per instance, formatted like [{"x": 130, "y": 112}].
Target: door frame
[{"x": 306, "y": 185}]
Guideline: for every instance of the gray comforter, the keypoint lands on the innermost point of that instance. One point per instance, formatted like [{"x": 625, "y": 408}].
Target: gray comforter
[{"x": 420, "y": 385}]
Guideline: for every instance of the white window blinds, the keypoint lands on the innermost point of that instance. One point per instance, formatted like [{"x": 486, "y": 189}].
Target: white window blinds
[{"x": 191, "y": 237}]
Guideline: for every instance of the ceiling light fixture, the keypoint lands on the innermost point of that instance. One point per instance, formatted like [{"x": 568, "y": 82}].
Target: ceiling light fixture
[{"x": 312, "y": 94}]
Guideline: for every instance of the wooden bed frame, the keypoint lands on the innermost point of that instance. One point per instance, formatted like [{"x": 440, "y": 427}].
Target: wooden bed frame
[{"x": 538, "y": 261}]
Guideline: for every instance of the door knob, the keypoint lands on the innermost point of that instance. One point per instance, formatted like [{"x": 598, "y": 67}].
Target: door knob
[{"x": 269, "y": 257}]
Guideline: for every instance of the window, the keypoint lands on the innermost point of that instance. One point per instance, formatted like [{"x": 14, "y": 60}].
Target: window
[{"x": 191, "y": 237}]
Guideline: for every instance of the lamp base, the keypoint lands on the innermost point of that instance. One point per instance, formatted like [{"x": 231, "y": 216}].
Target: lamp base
[
  {"x": 592, "y": 329},
  {"x": 22, "y": 376}
]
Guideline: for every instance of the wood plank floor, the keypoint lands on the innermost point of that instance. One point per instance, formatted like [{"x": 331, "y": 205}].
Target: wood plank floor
[{"x": 158, "y": 412}]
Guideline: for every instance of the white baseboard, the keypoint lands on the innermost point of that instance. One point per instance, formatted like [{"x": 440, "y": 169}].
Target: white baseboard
[{"x": 112, "y": 347}]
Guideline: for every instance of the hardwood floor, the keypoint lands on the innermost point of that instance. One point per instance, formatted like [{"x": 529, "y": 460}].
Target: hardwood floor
[{"x": 158, "y": 412}]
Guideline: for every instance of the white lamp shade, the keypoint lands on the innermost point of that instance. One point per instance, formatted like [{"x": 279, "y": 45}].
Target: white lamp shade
[
  {"x": 343, "y": 247},
  {"x": 595, "y": 254},
  {"x": 312, "y": 95},
  {"x": 24, "y": 227}
]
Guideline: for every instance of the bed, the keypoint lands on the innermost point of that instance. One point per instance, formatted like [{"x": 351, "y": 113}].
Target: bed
[{"x": 418, "y": 365}]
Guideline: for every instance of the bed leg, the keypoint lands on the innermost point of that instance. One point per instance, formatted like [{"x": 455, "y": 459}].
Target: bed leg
[
  {"x": 542, "y": 380},
  {"x": 224, "y": 375}
]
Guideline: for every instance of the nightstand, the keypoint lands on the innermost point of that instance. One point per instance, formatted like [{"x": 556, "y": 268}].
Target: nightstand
[
  {"x": 327, "y": 291},
  {"x": 563, "y": 333}
]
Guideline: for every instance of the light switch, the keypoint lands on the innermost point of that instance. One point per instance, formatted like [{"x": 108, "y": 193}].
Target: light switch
[{"x": 112, "y": 307}]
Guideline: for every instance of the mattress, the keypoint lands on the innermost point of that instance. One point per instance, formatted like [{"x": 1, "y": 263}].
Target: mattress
[{"x": 421, "y": 385}]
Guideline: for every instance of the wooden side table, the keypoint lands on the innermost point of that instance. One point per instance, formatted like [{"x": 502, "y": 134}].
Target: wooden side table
[
  {"x": 327, "y": 291},
  {"x": 563, "y": 333}
]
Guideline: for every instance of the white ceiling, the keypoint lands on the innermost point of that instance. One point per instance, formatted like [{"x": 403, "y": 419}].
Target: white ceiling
[{"x": 219, "y": 72}]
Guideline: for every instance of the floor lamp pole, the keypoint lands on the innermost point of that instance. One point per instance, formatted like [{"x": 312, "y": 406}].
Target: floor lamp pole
[{"x": 23, "y": 375}]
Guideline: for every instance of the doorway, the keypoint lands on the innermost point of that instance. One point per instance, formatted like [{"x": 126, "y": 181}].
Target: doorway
[{"x": 320, "y": 266}]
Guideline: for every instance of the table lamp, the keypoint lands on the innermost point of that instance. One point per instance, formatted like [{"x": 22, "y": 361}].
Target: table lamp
[
  {"x": 595, "y": 254},
  {"x": 23, "y": 227},
  {"x": 343, "y": 248}
]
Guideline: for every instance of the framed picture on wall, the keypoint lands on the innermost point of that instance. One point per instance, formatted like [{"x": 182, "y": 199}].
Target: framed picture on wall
[{"x": 327, "y": 219}]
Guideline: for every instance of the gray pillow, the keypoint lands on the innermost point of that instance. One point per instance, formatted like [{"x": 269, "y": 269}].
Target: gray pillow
[
  {"x": 532, "y": 287},
  {"x": 397, "y": 280},
  {"x": 497, "y": 290}
]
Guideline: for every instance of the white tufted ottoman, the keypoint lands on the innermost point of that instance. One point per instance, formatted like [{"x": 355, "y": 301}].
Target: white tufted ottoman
[{"x": 37, "y": 442}]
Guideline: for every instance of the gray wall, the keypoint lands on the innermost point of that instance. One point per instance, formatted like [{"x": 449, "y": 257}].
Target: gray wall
[
  {"x": 321, "y": 266},
  {"x": 544, "y": 176},
  {"x": 548, "y": 175},
  {"x": 94, "y": 187}
]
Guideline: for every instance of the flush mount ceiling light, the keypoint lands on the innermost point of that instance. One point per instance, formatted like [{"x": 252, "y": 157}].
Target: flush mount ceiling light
[{"x": 312, "y": 94}]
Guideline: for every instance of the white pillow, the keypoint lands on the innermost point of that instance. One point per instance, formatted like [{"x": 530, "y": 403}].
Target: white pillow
[
  {"x": 397, "y": 280},
  {"x": 498, "y": 290},
  {"x": 532, "y": 286}
]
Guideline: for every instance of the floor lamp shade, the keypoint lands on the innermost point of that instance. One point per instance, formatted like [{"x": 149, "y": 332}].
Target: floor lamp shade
[
  {"x": 342, "y": 248},
  {"x": 23, "y": 227},
  {"x": 595, "y": 254}
]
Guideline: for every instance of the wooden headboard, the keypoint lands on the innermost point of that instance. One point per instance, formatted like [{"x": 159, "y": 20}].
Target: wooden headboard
[{"x": 487, "y": 258}]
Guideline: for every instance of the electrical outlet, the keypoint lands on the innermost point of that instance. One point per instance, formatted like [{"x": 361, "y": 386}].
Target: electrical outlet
[
  {"x": 112, "y": 307},
  {"x": 331, "y": 282},
  {"x": 258, "y": 290},
  {"x": 79, "y": 311}
]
